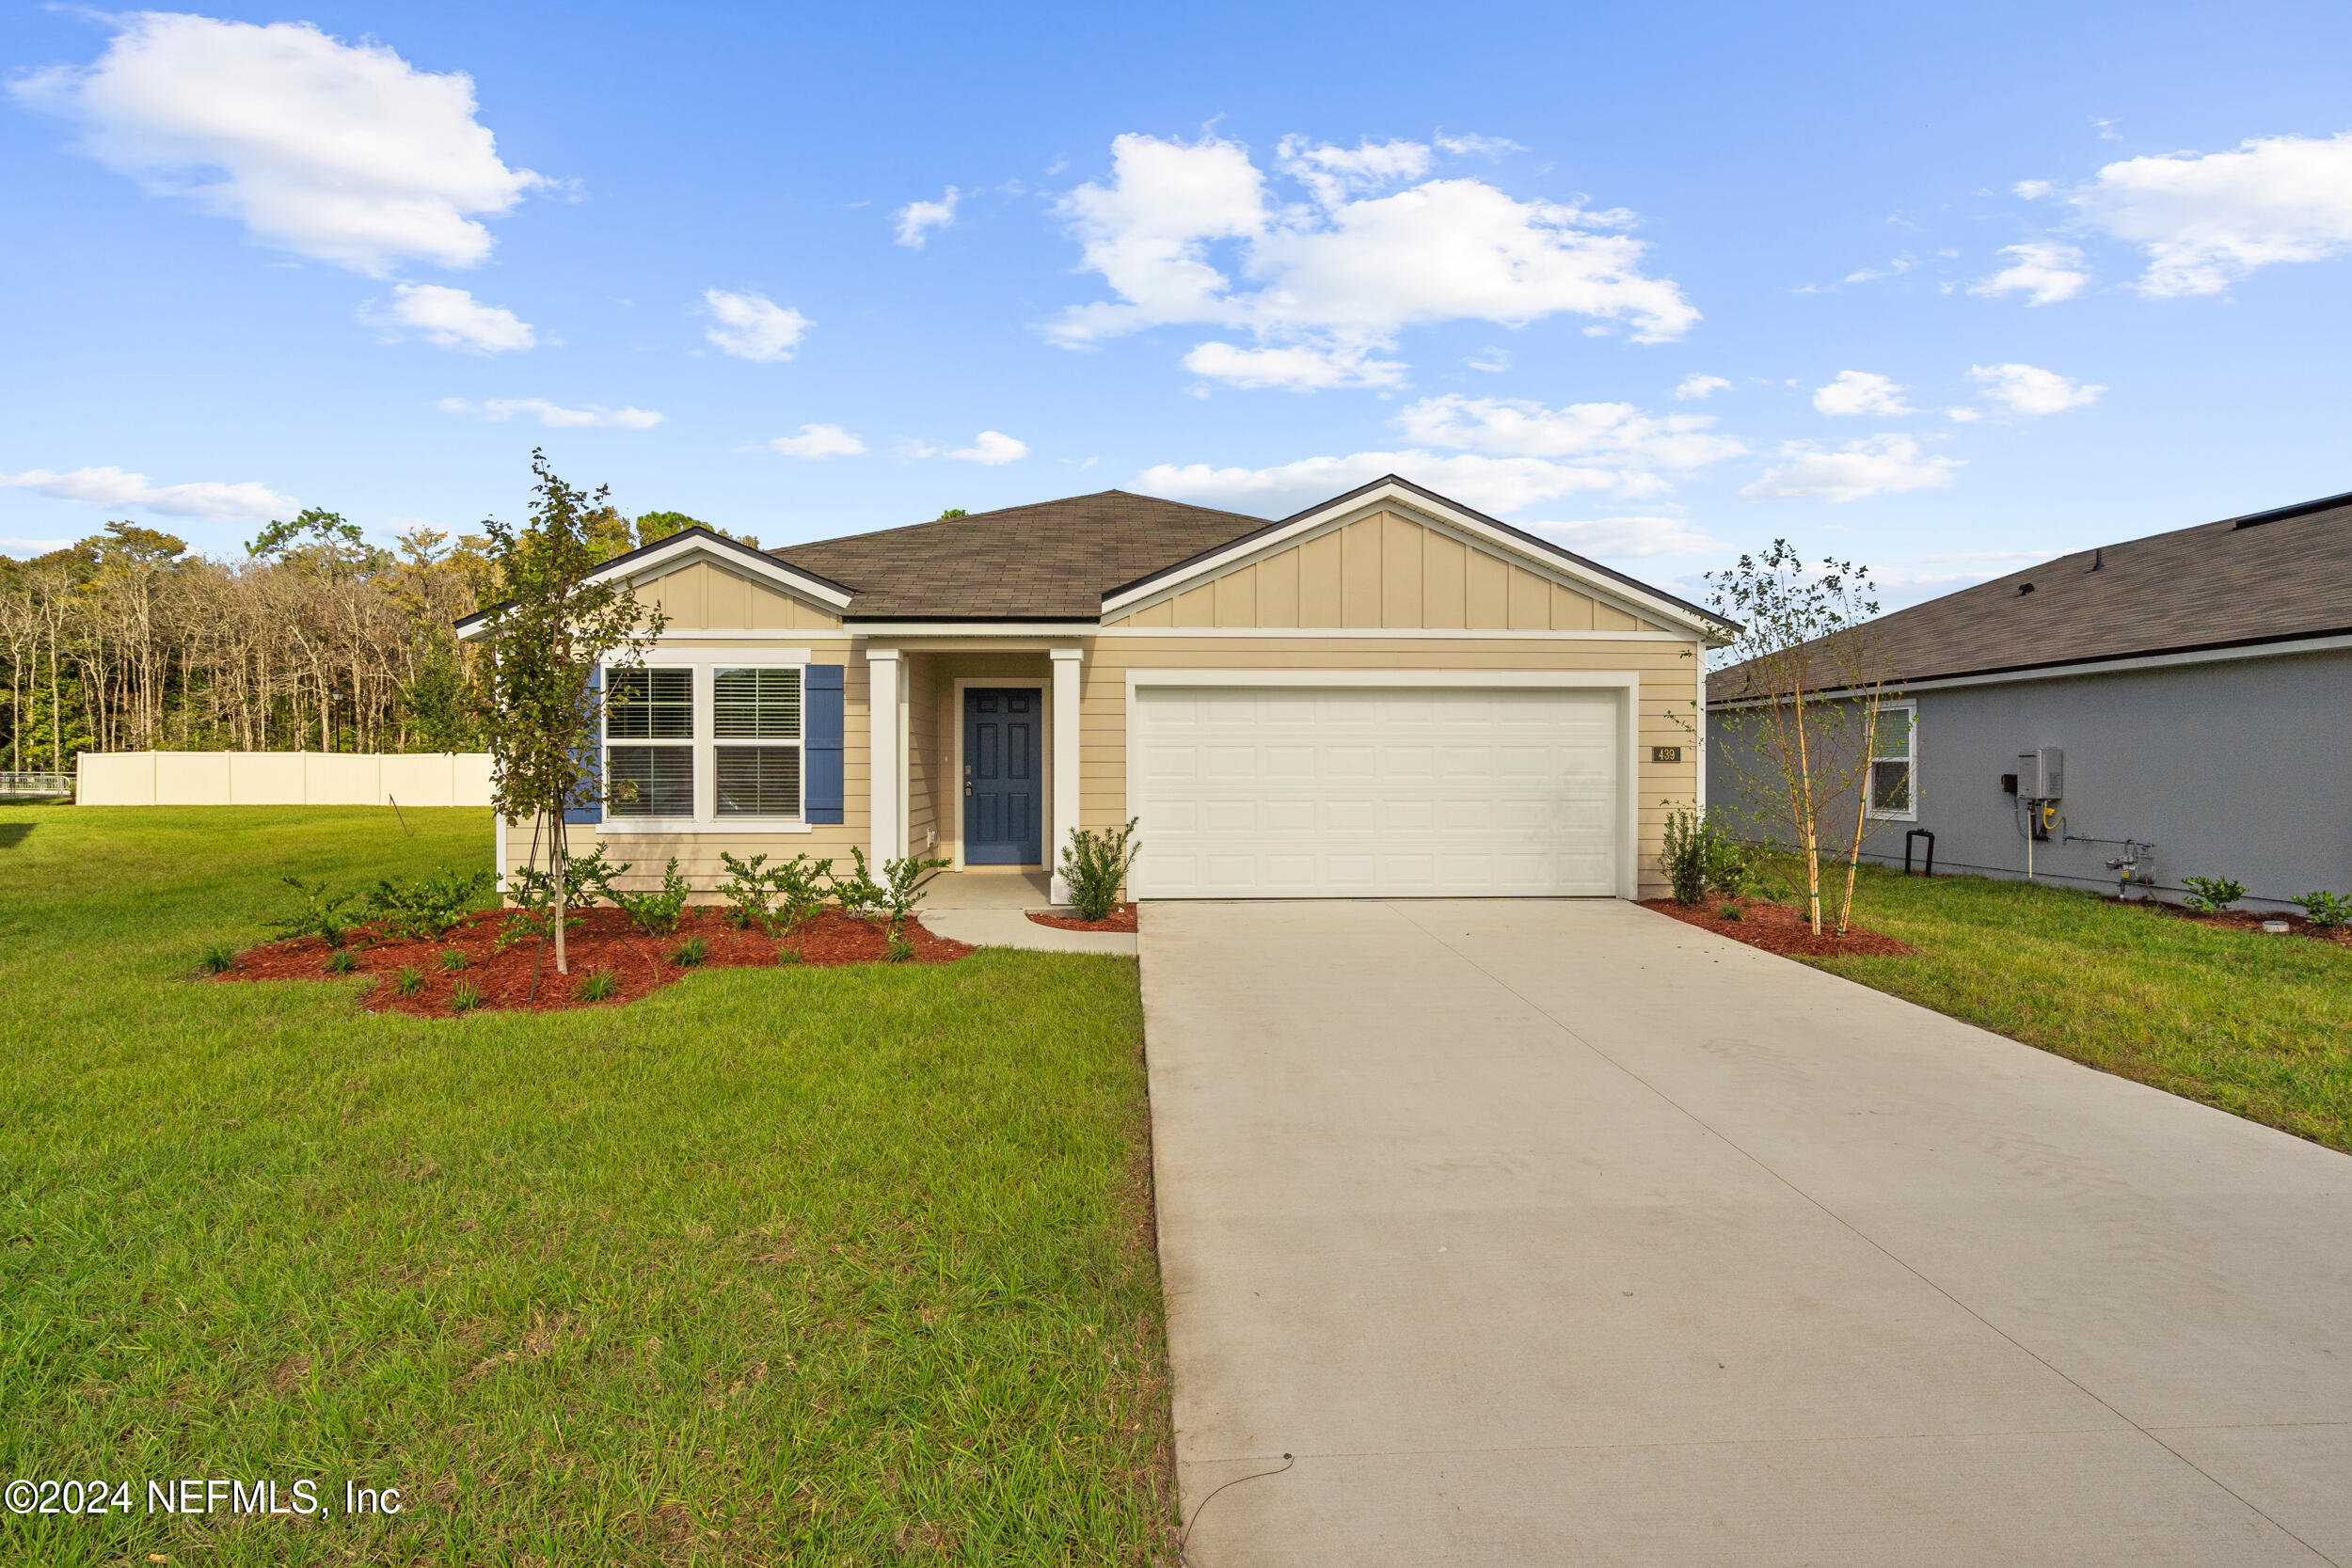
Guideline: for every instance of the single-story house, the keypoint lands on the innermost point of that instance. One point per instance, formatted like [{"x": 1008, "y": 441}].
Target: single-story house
[
  {"x": 1387, "y": 694},
  {"x": 2181, "y": 705}
]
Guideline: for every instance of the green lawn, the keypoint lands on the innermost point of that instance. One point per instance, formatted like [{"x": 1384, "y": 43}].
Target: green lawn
[
  {"x": 839, "y": 1266},
  {"x": 2259, "y": 1025}
]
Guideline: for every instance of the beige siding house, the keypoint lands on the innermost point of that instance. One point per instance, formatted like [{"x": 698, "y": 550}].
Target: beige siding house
[{"x": 1388, "y": 695}]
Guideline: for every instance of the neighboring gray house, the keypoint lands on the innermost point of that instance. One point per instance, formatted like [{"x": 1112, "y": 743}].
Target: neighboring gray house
[{"x": 2190, "y": 690}]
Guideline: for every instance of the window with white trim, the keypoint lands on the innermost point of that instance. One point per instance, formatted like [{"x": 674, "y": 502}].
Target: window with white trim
[
  {"x": 1894, "y": 781},
  {"x": 649, "y": 742},
  {"x": 755, "y": 733}
]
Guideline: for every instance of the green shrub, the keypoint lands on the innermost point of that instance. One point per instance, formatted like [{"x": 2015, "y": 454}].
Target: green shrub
[
  {"x": 2211, "y": 893},
  {"x": 1730, "y": 868},
  {"x": 412, "y": 980},
  {"x": 893, "y": 898},
  {"x": 1699, "y": 857},
  {"x": 779, "y": 898},
  {"x": 321, "y": 914},
  {"x": 690, "y": 953},
  {"x": 1732, "y": 911},
  {"x": 746, "y": 890},
  {"x": 788, "y": 955},
  {"x": 598, "y": 985},
  {"x": 1688, "y": 836},
  {"x": 452, "y": 958},
  {"x": 656, "y": 913},
  {"x": 342, "y": 962},
  {"x": 898, "y": 950},
  {"x": 425, "y": 907},
  {"x": 219, "y": 959},
  {"x": 466, "y": 998},
  {"x": 2325, "y": 908},
  {"x": 800, "y": 886},
  {"x": 1095, "y": 865},
  {"x": 587, "y": 878}
]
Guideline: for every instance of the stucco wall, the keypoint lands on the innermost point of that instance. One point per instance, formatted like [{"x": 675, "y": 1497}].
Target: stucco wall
[{"x": 2241, "y": 769}]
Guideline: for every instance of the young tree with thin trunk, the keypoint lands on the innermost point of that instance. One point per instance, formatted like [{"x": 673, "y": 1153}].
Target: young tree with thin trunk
[
  {"x": 1794, "y": 753},
  {"x": 534, "y": 689}
]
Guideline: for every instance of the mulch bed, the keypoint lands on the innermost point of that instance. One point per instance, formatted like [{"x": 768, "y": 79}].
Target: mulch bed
[
  {"x": 1778, "y": 928},
  {"x": 604, "y": 941},
  {"x": 2244, "y": 919},
  {"x": 1122, "y": 918}
]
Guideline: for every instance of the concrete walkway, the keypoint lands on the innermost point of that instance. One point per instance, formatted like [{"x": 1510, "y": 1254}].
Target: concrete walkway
[
  {"x": 1561, "y": 1232},
  {"x": 990, "y": 909}
]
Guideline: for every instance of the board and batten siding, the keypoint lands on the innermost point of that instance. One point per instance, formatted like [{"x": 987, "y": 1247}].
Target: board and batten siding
[
  {"x": 1387, "y": 570},
  {"x": 705, "y": 597}
]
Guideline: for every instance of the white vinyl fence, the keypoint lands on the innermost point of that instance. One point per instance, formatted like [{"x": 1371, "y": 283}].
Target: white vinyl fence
[{"x": 282, "y": 779}]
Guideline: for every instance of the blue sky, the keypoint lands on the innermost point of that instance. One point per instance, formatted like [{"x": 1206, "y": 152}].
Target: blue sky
[{"x": 1937, "y": 290}]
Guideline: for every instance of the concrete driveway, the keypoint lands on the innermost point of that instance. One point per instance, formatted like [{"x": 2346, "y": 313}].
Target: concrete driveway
[{"x": 1561, "y": 1232}]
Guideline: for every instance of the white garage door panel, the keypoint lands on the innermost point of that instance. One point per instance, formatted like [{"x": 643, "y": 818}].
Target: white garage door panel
[{"x": 1292, "y": 792}]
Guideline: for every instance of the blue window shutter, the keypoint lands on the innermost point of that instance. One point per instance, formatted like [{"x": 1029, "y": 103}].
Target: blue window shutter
[
  {"x": 822, "y": 728},
  {"x": 589, "y": 807}
]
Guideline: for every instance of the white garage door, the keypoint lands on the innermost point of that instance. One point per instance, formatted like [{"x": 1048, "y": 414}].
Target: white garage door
[{"x": 1258, "y": 792}]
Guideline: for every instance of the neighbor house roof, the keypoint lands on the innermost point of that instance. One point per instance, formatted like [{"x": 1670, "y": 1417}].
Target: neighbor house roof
[
  {"x": 1050, "y": 561},
  {"x": 2264, "y": 578}
]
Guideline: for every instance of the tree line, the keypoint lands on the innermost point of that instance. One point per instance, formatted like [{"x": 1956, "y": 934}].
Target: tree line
[{"x": 316, "y": 640}]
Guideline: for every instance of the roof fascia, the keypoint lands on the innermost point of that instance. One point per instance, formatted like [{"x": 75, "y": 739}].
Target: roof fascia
[
  {"x": 664, "y": 556},
  {"x": 1588, "y": 575},
  {"x": 2275, "y": 647}
]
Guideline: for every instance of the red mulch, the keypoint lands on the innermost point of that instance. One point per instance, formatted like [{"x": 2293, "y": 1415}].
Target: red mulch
[
  {"x": 1122, "y": 918},
  {"x": 2245, "y": 919},
  {"x": 1777, "y": 928},
  {"x": 604, "y": 939}
]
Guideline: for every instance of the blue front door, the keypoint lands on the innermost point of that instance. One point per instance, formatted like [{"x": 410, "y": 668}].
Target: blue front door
[{"x": 1001, "y": 812}]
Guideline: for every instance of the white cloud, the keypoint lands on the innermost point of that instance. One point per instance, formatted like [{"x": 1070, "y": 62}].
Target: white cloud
[
  {"x": 1861, "y": 392},
  {"x": 554, "y": 415},
  {"x": 1963, "y": 416},
  {"x": 2204, "y": 220},
  {"x": 1489, "y": 483},
  {"x": 1692, "y": 386},
  {"x": 1296, "y": 367},
  {"x": 752, "y": 326},
  {"x": 1911, "y": 581},
  {"x": 1335, "y": 173},
  {"x": 342, "y": 152},
  {"x": 991, "y": 447},
  {"x": 221, "y": 503},
  {"x": 2026, "y": 389},
  {"x": 32, "y": 546},
  {"x": 1189, "y": 233},
  {"x": 819, "y": 440},
  {"x": 1627, "y": 538},
  {"x": 2043, "y": 270},
  {"x": 1616, "y": 433},
  {"x": 1471, "y": 145},
  {"x": 1491, "y": 360},
  {"x": 449, "y": 318},
  {"x": 916, "y": 220},
  {"x": 1876, "y": 466}
]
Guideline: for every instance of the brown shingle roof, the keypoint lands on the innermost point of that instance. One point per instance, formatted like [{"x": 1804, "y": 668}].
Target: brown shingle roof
[
  {"x": 1047, "y": 560},
  {"x": 2257, "y": 578}
]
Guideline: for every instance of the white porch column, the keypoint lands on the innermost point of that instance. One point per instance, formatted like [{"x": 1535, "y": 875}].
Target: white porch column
[
  {"x": 1064, "y": 814},
  {"x": 886, "y": 765}
]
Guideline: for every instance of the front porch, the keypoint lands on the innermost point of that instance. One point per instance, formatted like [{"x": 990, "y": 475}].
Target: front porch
[{"x": 975, "y": 760}]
